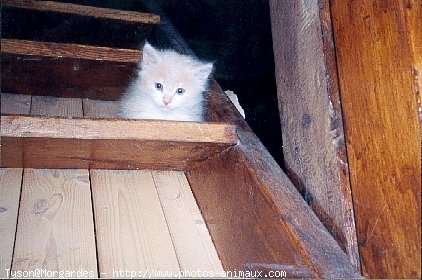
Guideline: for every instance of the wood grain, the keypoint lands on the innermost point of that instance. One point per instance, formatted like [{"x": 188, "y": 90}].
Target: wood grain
[
  {"x": 255, "y": 216},
  {"x": 37, "y": 50},
  {"x": 310, "y": 113},
  {"x": 69, "y": 70},
  {"x": 191, "y": 239},
  {"x": 89, "y": 11},
  {"x": 15, "y": 103},
  {"x": 99, "y": 108},
  {"x": 130, "y": 225},
  {"x": 10, "y": 189},
  {"x": 56, "y": 106},
  {"x": 55, "y": 228},
  {"x": 376, "y": 63},
  {"x": 112, "y": 144},
  {"x": 79, "y": 128}
]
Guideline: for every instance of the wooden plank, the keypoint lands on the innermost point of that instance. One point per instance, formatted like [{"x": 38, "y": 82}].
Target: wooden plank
[
  {"x": 131, "y": 229},
  {"x": 112, "y": 144},
  {"x": 89, "y": 11},
  {"x": 70, "y": 23},
  {"x": 10, "y": 189},
  {"x": 413, "y": 15},
  {"x": 49, "y": 49},
  {"x": 256, "y": 216},
  {"x": 310, "y": 114},
  {"x": 68, "y": 70},
  {"x": 376, "y": 64},
  {"x": 191, "y": 239},
  {"x": 55, "y": 229},
  {"x": 15, "y": 103},
  {"x": 56, "y": 106},
  {"x": 100, "y": 109}
]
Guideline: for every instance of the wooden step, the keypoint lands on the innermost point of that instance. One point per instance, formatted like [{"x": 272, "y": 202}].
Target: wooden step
[{"x": 70, "y": 23}]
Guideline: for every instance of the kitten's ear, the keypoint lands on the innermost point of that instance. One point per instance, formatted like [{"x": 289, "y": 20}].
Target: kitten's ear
[
  {"x": 202, "y": 70},
  {"x": 149, "y": 55}
]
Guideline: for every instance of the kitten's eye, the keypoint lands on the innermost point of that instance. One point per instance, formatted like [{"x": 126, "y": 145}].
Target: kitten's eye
[
  {"x": 180, "y": 91},
  {"x": 158, "y": 86}
]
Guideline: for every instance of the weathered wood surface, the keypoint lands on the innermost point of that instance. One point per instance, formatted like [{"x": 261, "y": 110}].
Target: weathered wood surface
[
  {"x": 100, "y": 109},
  {"x": 36, "y": 50},
  {"x": 131, "y": 229},
  {"x": 255, "y": 216},
  {"x": 56, "y": 106},
  {"x": 191, "y": 240},
  {"x": 310, "y": 113},
  {"x": 378, "y": 46},
  {"x": 15, "y": 103},
  {"x": 55, "y": 229},
  {"x": 68, "y": 70},
  {"x": 70, "y": 23},
  {"x": 10, "y": 189},
  {"x": 107, "y": 143}
]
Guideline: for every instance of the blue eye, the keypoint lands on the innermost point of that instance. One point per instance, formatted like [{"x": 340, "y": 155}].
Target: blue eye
[
  {"x": 158, "y": 86},
  {"x": 180, "y": 91}
]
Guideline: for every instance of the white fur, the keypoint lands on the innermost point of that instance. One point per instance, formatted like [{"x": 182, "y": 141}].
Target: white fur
[{"x": 143, "y": 100}]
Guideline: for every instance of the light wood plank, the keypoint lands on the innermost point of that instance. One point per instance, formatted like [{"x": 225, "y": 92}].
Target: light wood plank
[
  {"x": 15, "y": 103},
  {"x": 130, "y": 225},
  {"x": 56, "y": 106},
  {"x": 10, "y": 188},
  {"x": 55, "y": 229},
  {"x": 192, "y": 241},
  {"x": 99, "y": 109}
]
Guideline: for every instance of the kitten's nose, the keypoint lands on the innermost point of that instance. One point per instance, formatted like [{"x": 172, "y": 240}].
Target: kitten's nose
[{"x": 166, "y": 102}]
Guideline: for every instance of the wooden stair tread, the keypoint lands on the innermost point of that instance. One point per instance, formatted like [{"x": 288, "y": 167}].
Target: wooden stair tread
[{"x": 51, "y": 6}]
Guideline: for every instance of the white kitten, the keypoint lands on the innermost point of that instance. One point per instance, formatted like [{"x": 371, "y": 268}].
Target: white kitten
[{"x": 169, "y": 86}]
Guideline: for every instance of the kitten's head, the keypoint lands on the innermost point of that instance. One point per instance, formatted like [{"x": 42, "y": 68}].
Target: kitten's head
[{"x": 173, "y": 80}]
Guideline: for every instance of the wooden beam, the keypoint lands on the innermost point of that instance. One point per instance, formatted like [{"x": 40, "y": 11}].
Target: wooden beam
[
  {"x": 67, "y": 70},
  {"x": 89, "y": 11},
  {"x": 56, "y": 50},
  {"x": 45, "y": 142},
  {"x": 70, "y": 23},
  {"x": 257, "y": 218},
  {"x": 379, "y": 70},
  {"x": 310, "y": 113}
]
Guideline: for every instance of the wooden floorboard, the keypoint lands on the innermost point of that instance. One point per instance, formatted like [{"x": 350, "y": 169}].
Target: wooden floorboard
[
  {"x": 192, "y": 241},
  {"x": 99, "y": 109},
  {"x": 15, "y": 103},
  {"x": 130, "y": 225},
  {"x": 10, "y": 187},
  {"x": 55, "y": 229}
]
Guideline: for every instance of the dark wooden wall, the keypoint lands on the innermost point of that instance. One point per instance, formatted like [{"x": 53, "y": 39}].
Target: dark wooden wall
[{"x": 348, "y": 75}]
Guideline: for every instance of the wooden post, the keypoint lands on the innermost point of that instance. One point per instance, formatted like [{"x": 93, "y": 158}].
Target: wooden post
[
  {"x": 379, "y": 55},
  {"x": 310, "y": 113}
]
